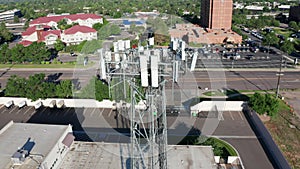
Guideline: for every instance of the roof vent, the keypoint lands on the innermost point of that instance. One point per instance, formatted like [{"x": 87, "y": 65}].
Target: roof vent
[{"x": 19, "y": 157}]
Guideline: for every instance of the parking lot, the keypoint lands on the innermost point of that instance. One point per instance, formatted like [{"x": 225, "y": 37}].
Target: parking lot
[
  {"x": 107, "y": 120},
  {"x": 250, "y": 54},
  {"x": 98, "y": 124}
]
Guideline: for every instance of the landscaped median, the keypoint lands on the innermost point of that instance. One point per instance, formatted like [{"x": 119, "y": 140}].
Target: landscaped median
[
  {"x": 46, "y": 65},
  {"x": 223, "y": 151},
  {"x": 277, "y": 116}
]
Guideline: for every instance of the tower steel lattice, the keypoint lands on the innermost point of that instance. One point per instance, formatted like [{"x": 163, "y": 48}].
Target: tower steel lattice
[{"x": 146, "y": 106}]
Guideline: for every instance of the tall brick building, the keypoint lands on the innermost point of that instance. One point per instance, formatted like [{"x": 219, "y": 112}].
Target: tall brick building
[{"x": 216, "y": 14}]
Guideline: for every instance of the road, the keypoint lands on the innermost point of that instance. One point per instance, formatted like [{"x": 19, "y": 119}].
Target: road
[
  {"x": 247, "y": 80},
  {"x": 238, "y": 80}
]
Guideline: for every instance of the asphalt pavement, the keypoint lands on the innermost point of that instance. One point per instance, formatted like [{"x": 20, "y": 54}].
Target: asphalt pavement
[
  {"x": 98, "y": 124},
  {"x": 232, "y": 79}
]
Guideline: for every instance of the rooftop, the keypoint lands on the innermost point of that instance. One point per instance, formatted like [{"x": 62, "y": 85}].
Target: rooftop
[
  {"x": 115, "y": 155},
  {"x": 78, "y": 28},
  {"x": 33, "y": 29},
  {"x": 41, "y": 137},
  {"x": 127, "y": 22},
  {"x": 73, "y": 17}
]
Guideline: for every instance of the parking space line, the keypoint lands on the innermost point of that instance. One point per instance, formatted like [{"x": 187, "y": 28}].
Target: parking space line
[
  {"x": 20, "y": 109},
  {"x": 4, "y": 110},
  {"x": 11, "y": 110},
  {"x": 220, "y": 116},
  {"x": 100, "y": 114},
  {"x": 43, "y": 110},
  {"x": 68, "y": 110},
  {"x": 231, "y": 115},
  {"x": 240, "y": 113},
  {"x": 93, "y": 111},
  {"x": 109, "y": 113},
  {"x": 84, "y": 110},
  {"x": 27, "y": 110}
]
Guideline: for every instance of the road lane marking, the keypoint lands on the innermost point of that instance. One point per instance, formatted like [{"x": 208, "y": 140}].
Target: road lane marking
[{"x": 231, "y": 115}]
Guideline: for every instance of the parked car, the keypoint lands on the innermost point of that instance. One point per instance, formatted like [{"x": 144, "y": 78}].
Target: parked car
[
  {"x": 263, "y": 49},
  {"x": 281, "y": 37},
  {"x": 254, "y": 49},
  {"x": 73, "y": 54},
  {"x": 250, "y": 57}
]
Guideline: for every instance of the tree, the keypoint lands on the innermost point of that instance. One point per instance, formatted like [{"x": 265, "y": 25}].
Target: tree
[
  {"x": 275, "y": 23},
  {"x": 95, "y": 89},
  {"x": 16, "y": 19},
  {"x": 62, "y": 24},
  {"x": 91, "y": 46},
  {"x": 26, "y": 25},
  {"x": 34, "y": 87},
  {"x": 107, "y": 30},
  {"x": 64, "y": 89},
  {"x": 15, "y": 86},
  {"x": 114, "y": 29},
  {"x": 101, "y": 90},
  {"x": 117, "y": 15},
  {"x": 287, "y": 47},
  {"x": 294, "y": 26},
  {"x": 272, "y": 105},
  {"x": 132, "y": 28},
  {"x": 4, "y": 53},
  {"x": 104, "y": 32},
  {"x": 4, "y": 33},
  {"x": 59, "y": 45},
  {"x": 257, "y": 102},
  {"x": 264, "y": 104},
  {"x": 270, "y": 39}
]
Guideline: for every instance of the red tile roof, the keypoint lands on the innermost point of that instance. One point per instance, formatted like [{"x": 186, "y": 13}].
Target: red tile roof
[
  {"x": 44, "y": 34},
  {"x": 25, "y": 43},
  {"x": 32, "y": 29},
  {"x": 78, "y": 28},
  {"x": 74, "y": 17}
]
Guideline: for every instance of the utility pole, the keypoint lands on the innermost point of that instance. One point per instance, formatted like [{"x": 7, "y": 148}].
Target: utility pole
[
  {"x": 269, "y": 51},
  {"x": 279, "y": 76}
]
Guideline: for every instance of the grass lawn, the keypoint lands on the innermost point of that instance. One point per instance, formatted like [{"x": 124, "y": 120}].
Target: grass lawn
[
  {"x": 285, "y": 130},
  {"x": 227, "y": 147},
  {"x": 65, "y": 65},
  {"x": 284, "y": 32},
  {"x": 196, "y": 45},
  {"x": 214, "y": 93}
]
